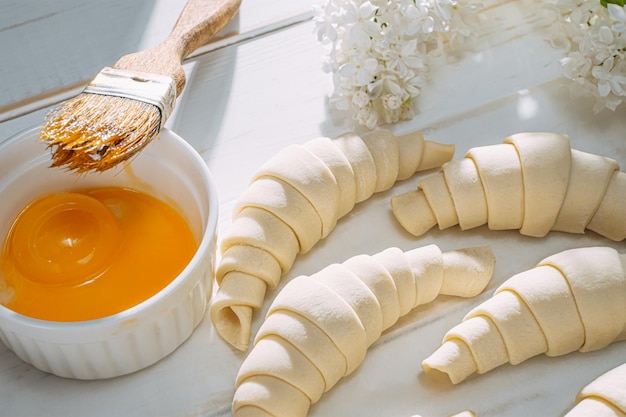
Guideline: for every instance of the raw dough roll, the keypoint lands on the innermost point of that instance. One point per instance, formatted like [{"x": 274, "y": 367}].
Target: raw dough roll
[
  {"x": 319, "y": 327},
  {"x": 603, "y": 397},
  {"x": 293, "y": 201},
  {"x": 500, "y": 173},
  {"x": 533, "y": 182},
  {"x": 570, "y": 301}
]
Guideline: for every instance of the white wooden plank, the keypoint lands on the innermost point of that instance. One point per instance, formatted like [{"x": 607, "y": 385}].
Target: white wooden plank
[{"x": 50, "y": 50}]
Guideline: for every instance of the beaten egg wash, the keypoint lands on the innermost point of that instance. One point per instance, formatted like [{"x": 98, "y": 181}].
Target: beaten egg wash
[{"x": 84, "y": 255}]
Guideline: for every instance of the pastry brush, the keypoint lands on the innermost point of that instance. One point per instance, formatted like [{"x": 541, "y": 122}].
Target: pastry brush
[{"x": 125, "y": 106}]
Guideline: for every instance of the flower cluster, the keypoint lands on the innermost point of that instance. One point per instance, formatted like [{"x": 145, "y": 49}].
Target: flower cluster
[
  {"x": 380, "y": 49},
  {"x": 593, "y": 34}
]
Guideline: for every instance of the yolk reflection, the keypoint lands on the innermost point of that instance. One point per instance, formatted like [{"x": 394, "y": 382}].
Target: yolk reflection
[{"x": 76, "y": 256}]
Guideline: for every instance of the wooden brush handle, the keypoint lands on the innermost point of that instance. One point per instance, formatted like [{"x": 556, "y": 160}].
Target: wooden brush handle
[{"x": 197, "y": 23}]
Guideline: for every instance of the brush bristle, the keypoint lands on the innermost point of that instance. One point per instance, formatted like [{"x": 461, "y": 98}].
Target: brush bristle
[{"x": 93, "y": 132}]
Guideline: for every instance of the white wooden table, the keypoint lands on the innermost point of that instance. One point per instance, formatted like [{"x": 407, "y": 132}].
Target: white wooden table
[{"x": 257, "y": 88}]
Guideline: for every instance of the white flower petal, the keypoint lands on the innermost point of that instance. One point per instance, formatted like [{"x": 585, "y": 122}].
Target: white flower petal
[
  {"x": 409, "y": 47},
  {"x": 414, "y": 62},
  {"x": 347, "y": 70},
  {"x": 444, "y": 13},
  {"x": 604, "y": 88},
  {"x": 394, "y": 88},
  {"x": 619, "y": 27},
  {"x": 375, "y": 89},
  {"x": 359, "y": 37},
  {"x": 616, "y": 86},
  {"x": 366, "y": 10},
  {"x": 363, "y": 77},
  {"x": 371, "y": 65},
  {"x": 411, "y": 12},
  {"x": 620, "y": 79},
  {"x": 413, "y": 90},
  {"x": 617, "y": 12},
  {"x": 413, "y": 27},
  {"x": 371, "y": 28},
  {"x": 606, "y": 34},
  {"x": 350, "y": 13},
  {"x": 429, "y": 25},
  {"x": 599, "y": 72}
]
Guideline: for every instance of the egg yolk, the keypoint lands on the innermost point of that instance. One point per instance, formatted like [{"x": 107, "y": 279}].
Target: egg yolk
[
  {"x": 83, "y": 255},
  {"x": 64, "y": 239}
]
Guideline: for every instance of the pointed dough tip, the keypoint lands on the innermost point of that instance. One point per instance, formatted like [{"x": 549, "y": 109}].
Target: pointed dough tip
[
  {"x": 233, "y": 324},
  {"x": 452, "y": 358},
  {"x": 412, "y": 211},
  {"x": 435, "y": 155}
]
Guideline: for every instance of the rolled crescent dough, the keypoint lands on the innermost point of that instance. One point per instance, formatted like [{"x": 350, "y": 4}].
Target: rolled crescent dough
[
  {"x": 603, "y": 397},
  {"x": 533, "y": 182},
  {"x": 293, "y": 201},
  {"x": 573, "y": 300},
  {"x": 319, "y": 327}
]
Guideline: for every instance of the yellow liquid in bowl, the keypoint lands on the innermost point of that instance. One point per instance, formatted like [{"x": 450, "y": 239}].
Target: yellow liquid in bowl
[{"x": 84, "y": 255}]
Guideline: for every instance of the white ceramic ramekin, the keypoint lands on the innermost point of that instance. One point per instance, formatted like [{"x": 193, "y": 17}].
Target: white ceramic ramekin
[{"x": 168, "y": 168}]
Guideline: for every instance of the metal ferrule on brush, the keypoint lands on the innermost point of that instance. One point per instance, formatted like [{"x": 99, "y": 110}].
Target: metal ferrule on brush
[{"x": 158, "y": 90}]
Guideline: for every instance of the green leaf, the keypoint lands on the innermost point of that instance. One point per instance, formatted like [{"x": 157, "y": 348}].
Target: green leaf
[{"x": 606, "y": 2}]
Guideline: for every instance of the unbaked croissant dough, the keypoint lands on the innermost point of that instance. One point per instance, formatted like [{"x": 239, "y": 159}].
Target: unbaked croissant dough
[
  {"x": 603, "y": 397},
  {"x": 319, "y": 327},
  {"x": 570, "y": 301},
  {"x": 533, "y": 182},
  {"x": 293, "y": 201}
]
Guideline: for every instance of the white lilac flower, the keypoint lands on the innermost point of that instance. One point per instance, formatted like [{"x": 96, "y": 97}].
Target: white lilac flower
[
  {"x": 610, "y": 79},
  {"x": 619, "y": 15},
  {"x": 576, "y": 67},
  {"x": 594, "y": 39},
  {"x": 379, "y": 51}
]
